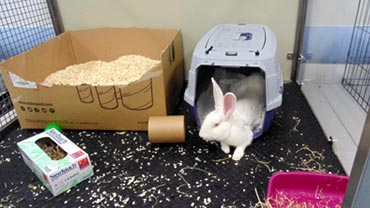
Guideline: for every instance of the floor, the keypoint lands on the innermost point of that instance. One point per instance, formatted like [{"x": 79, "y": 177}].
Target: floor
[
  {"x": 131, "y": 172},
  {"x": 340, "y": 116}
]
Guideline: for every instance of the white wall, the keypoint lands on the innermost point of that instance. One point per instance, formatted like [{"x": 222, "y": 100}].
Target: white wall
[
  {"x": 331, "y": 12},
  {"x": 193, "y": 17},
  {"x": 328, "y": 13}
]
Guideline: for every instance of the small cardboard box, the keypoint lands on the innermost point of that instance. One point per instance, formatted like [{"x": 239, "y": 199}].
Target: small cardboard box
[
  {"x": 88, "y": 107},
  {"x": 57, "y": 175}
]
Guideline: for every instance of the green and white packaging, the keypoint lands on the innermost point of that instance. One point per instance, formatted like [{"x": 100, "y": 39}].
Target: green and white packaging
[{"x": 57, "y": 175}]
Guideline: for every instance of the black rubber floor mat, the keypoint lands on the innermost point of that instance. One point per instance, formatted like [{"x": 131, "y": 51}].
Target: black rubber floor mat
[{"x": 131, "y": 172}]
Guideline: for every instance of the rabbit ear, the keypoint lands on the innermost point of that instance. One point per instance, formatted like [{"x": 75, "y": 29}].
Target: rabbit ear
[
  {"x": 217, "y": 94},
  {"x": 229, "y": 104}
]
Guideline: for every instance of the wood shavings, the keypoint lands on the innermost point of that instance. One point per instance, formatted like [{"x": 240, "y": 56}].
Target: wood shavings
[
  {"x": 318, "y": 192},
  {"x": 168, "y": 151},
  {"x": 151, "y": 189},
  {"x": 178, "y": 190},
  {"x": 260, "y": 203},
  {"x": 132, "y": 179},
  {"x": 5, "y": 199},
  {"x": 122, "y": 71},
  {"x": 6, "y": 160},
  {"x": 19, "y": 200},
  {"x": 30, "y": 186},
  {"x": 313, "y": 154},
  {"x": 294, "y": 129},
  {"x": 54, "y": 151},
  {"x": 207, "y": 201},
  {"x": 265, "y": 164},
  {"x": 8, "y": 206},
  {"x": 222, "y": 159},
  {"x": 314, "y": 161},
  {"x": 121, "y": 133},
  {"x": 277, "y": 123},
  {"x": 194, "y": 168},
  {"x": 182, "y": 174},
  {"x": 155, "y": 200}
]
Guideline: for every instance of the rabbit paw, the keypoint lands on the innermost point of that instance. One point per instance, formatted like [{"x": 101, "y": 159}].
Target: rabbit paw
[
  {"x": 238, "y": 153},
  {"x": 225, "y": 148},
  {"x": 237, "y": 156}
]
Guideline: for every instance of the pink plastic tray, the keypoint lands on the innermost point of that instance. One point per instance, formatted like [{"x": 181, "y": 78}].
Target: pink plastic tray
[{"x": 306, "y": 188}]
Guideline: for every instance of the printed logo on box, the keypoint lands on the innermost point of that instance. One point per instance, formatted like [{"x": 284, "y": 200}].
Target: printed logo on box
[
  {"x": 62, "y": 172},
  {"x": 57, "y": 136},
  {"x": 84, "y": 163},
  {"x": 77, "y": 154}
]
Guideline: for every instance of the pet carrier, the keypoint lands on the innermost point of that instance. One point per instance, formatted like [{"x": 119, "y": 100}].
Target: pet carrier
[{"x": 236, "y": 48}]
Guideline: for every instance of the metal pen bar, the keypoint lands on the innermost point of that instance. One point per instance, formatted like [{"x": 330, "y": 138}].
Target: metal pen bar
[
  {"x": 23, "y": 25},
  {"x": 356, "y": 75},
  {"x": 55, "y": 16},
  {"x": 298, "y": 42}
]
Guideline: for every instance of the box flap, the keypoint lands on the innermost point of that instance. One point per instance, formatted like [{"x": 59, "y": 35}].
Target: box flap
[
  {"x": 44, "y": 59},
  {"x": 94, "y": 44}
]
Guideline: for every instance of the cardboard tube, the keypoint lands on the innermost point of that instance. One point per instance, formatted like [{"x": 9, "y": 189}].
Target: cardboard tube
[{"x": 166, "y": 129}]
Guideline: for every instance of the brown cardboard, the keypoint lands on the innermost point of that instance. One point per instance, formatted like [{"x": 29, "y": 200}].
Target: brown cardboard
[
  {"x": 88, "y": 107},
  {"x": 166, "y": 129}
]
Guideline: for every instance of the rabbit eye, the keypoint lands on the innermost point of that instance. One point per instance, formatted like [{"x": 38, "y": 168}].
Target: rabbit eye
[{"x": 216, "y": 124}]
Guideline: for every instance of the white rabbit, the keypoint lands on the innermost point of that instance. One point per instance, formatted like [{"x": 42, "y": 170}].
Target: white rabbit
[
  {"x": 225, "y": 79},
  {"x": 232, "y": 122}
]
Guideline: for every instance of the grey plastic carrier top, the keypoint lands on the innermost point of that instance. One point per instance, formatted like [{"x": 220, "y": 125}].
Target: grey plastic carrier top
[{"x": 239, "y": 45}]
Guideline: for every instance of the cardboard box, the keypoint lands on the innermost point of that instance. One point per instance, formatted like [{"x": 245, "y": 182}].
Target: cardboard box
[
  {"x": 88, "y": 107},
  {"x": 57, "y": 175}
]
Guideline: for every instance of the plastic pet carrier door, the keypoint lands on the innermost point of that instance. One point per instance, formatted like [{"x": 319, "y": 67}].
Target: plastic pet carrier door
[{"x": 226, "y": 52}]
